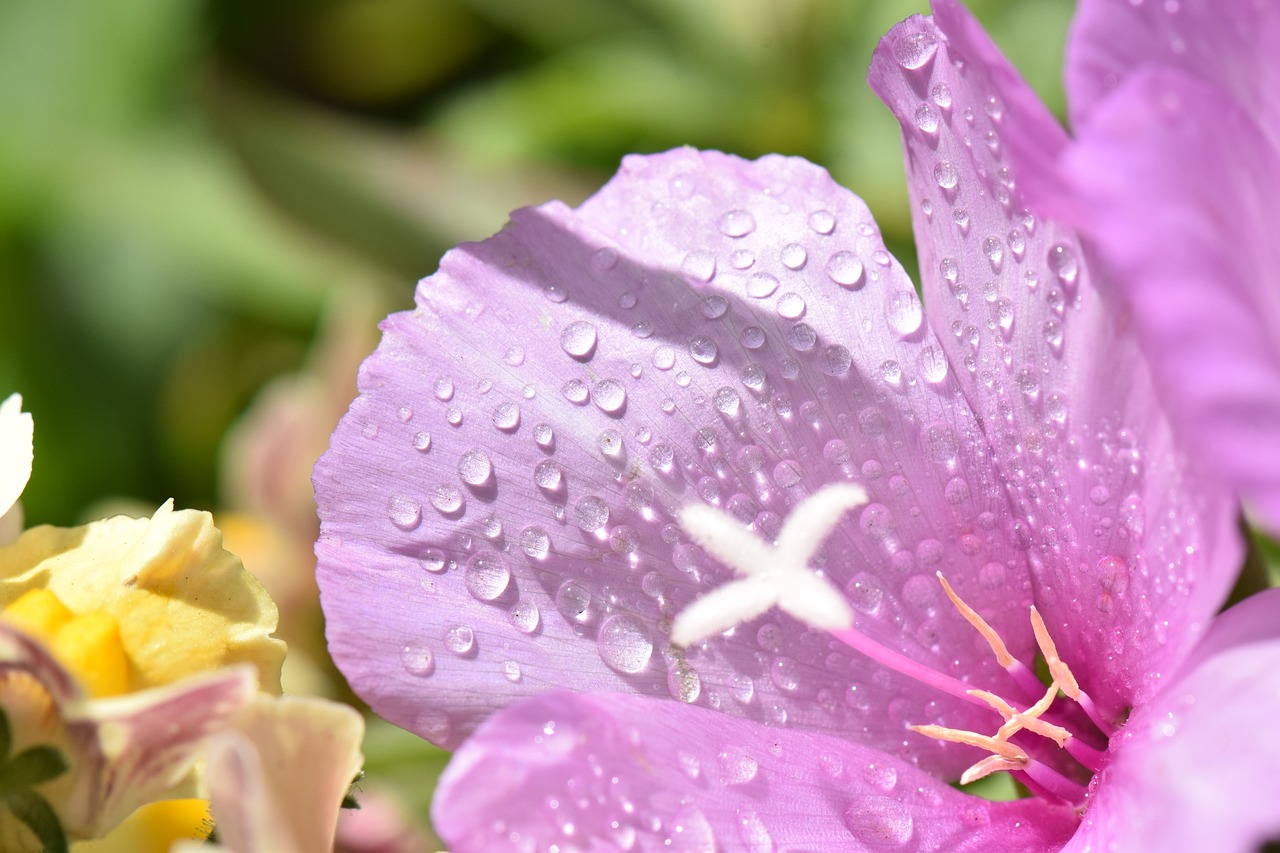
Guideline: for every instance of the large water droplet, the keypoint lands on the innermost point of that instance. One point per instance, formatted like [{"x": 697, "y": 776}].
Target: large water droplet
[
  {"x": 475, "y": 468},
  {"x": 624, "y": 644},
  {"x": 927, "y": 118},
  {"x": 822, "y": 222},
  {"x": 444, "y": 388},
  {"x": 761, "y": 284},
  {"x": 880, "y": 823},
  {"x": 904, "y": 312},
  {"x": 1062, "y": 260},
  {"x": 737, "y": 766},
  {"x": 932, "y": 365},
  {"x": 845, "y": 269},
  {"x": 405, "y": 513},
  {"x": 417, "y": 660},
  {"x": 591, "y": 513},
  {"x": 683, "y": 683},
  {"x": 944, "y": 172},
  {"x": 794, "y": 256},
  {"x": 460, "y": 639},
  {"x": 914, "y": 50},
  {"x": 446, "y": 498},
  {"x": 506, "y": 416},
  {"x": 574, "y": 601},
  {"x": 608, "y": 395},
  {"x": 737, "y": 223},
  {"x": 487, "y": 576},
  {"x": 790, "y": 305},
  {"x": 703, "y": 349},
  {"x": 699, "y": 266},
  {"x": 547, "y": 475},
  {"x": 941, "y": 94},
  {"x": 524, "y": 615},
  {"x": 727, "y": 401},
  {"x": 575, "y": 391},
  {"x": 578, "y": 339}
]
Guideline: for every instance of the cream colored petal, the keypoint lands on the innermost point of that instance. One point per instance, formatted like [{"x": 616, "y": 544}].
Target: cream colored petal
[{"x": 183, "y": 603}]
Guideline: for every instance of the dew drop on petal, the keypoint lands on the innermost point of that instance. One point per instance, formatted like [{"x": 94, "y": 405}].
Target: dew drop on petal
[
  {"x": 914, "y": 50},
  {"x": 664, "y": 357},
  {"x": 417, "y": 660},
  {"x": 578, "y": 339},
  {"x": 506, "y": 416},
  {"x": 699, "y": 266},
  {"x": 574, "y": 601},
  {"x": 944, "y": 172},
  {"x": 544, "y": 435},
  {"x": 761, "y": 284},
  {"x": 932, "y": 365},
  {"x": 879, "y": 822},
  {"x": 547, "y": 475},
  {"x": 703, "y": 349},
  {"x": 790, "y": 305},
  {"x": 737, "y": 766},
  {"x": 486, "y": 576},
  {"x": 535, "y": 542},
  {"x": 904, "y": 312},
  {"x": 475, "y": 467},
  {"x": 845, "y": 269},
  {"x": 422, "y": 441},
  {"x": 794, "y": 256},
  {"x": 927, "y": 118},
  {"x": 624, "y": 644},
  {"x": 683, "y": 683},
  {"x": 941, "y": 94},
  {"x": 608, "y": 395},
  {"x": 727, "y": 401},
  {"x": 460, "y": 639},
  {"x": 575, "y": 391},
  {"x": 446, "y": 498},
  {"x": 405, "y": 513},
  {"x": 1062, "y": 260},
  {"x": 524, "y": 615},
  {"x": 444, "y": 388},
  {"x": 737, "y": 223},
  {"x": 591, "y": 513},
  {"x": 822, "y": 222},
  {"x": 837, "y": 359}
]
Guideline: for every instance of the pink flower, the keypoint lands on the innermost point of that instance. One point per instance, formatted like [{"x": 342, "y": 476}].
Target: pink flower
[
  {"x": 1172, "y": 177},
  {"x": 695, "y": 452}
]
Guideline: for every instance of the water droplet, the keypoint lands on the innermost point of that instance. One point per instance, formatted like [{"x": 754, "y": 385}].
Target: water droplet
[
  {"x": 790, "y": 305},
  {"x": 591, "y": 513},
  {"x": 932, "y": 365},
  {"x": 683, "y": 683},
  {"x": 578, "y": 339},
  {"x": 699, "y": 266},
  {"x": 524, "y": 615},
  {"x": 742, "y": 259},
  {"x": 753, "y": 834},
  {"x": 879, "y": 822},
  {"x": 703, "y": 349},
  {"x": 845, "y": 269},
  {"x": 506, "y": 416},
  {"x": 1053, "y": 335},
  {"x": 802, "y": 337},
  {"x": 664, "y": 357},
  {"x": 404, "y": 512},
  {"x": 737, "y": 223},
  {"x": 574, "y": 601},
  {"x": 454, "y": 416},
  {"x": 417, "y": 660},
  {"x": 904, "y": 312},
  {"x": 794, "y": 256},
  {"x": 487, "y": 576},
  {"x": 446, "y": 498},
  {"x": 422, "y": 441},
  {"x": 714, "y": 307},
  {"x": 604, "y": 259},
  {"x": 944, "y": 172},
  {"x": 927, "y": 118},
  {"x": 511, "y": 671},
  {"x": 575, "y": 391},
  {"x": 1063, "y": 263},
  {"x": 761, "y": 284},
  {"x": 624, "y": 644},
  {"x": 941, "y": 94},
  {"x": 822, "y": 222},
  {"x": 992, "y": 248},
  {"x": 459, "y": 639},
  {"x": 891, "y": 372},
  {"x": 1099, "y": 494},
  {"x": 444, "y": 388},
  {"x": 737, "y": 766},
  {"x": 544, "y": 435},
  {"x": 547, "y": 475},
  {"x": 914, "y": 50},
  {"x": 837, "y": 359},
  {"x": 475, "y": 468},
  {"x": 787, "y": 473},
  {"x": 608, "y": 395},
  {"x": 727, "y": 401}
]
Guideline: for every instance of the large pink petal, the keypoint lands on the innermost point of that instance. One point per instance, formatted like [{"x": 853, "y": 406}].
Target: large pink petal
[
  {"x": 605, "y": 772},
  {"x": 1228, "y": 44},
  {"x": 498, "y": 505},
  {"x": 1124, "y": 541},
  {"x": 1196, "y": 769}
]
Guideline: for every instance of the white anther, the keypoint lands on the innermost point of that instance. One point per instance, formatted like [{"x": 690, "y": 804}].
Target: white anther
[{"x": 772, "y": 575}]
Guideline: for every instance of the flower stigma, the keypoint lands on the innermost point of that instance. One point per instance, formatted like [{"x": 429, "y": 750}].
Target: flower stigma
[{"x": 779, "y": 575}]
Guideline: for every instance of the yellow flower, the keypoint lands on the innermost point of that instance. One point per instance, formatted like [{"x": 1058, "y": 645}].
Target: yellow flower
[{"x": 179, "y": 602}]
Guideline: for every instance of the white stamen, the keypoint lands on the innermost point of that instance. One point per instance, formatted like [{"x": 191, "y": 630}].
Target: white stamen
[{"x": 771, "y": 575}]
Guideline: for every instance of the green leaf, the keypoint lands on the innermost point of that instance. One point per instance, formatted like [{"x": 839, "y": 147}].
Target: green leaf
[
  {"x": 32, "y": 809},
  {"x": 31, "y": 767},
  {"x": 6, "y": 735}
]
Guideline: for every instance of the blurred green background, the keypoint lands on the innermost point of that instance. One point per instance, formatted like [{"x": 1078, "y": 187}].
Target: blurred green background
[{"x": 187, "y": 187}]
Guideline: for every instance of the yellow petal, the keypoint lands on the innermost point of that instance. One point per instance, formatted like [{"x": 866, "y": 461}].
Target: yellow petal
[{"x": 183, "y": 604}]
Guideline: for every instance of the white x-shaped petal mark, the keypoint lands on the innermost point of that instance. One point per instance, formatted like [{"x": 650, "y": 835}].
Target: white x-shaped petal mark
[{"x": 772, "y": 575}]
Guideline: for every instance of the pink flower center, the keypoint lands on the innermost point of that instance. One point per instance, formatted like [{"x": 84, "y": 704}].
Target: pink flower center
[{"x": 778, "y": 575}]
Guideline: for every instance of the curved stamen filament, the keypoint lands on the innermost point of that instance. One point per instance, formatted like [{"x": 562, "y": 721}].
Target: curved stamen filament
[{"x": 1025, "y": 678}]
